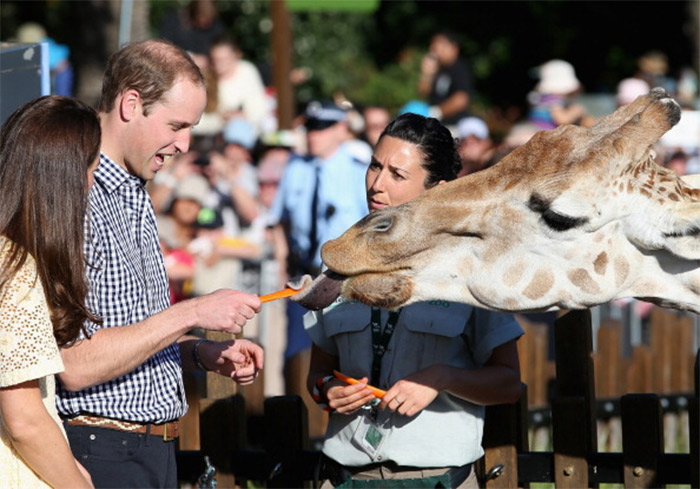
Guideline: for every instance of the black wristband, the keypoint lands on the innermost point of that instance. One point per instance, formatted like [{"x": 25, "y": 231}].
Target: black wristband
[{"x": 195, "y": 354}]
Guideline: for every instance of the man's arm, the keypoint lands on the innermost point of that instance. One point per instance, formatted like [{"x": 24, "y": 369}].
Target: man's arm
[
  {"x": 454, "y": 104},
  {"x": 112, "y": 352}
]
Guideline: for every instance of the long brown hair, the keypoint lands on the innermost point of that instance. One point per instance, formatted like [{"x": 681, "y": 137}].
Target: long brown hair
[{"x": 46, "y": 148}]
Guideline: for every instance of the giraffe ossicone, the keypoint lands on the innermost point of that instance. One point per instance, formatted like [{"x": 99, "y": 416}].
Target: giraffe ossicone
[{"x": 574, "y": 218}]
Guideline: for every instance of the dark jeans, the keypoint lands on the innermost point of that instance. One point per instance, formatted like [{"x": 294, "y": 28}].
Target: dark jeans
[{"x": 119, "y": 459}]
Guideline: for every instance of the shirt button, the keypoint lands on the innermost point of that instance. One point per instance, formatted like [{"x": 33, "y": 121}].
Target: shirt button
[
  {"x": 379, "y": 457},
  {"x": 92, "y": 437}
]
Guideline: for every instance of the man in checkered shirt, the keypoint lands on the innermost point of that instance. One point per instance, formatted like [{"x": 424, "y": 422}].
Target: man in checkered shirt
[{"x": 122, "y": 392}]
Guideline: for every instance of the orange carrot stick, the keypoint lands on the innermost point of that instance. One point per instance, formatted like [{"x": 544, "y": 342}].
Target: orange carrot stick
[
  {"x": 378, "y": 393},
  {"x": 278, "y": 295}
]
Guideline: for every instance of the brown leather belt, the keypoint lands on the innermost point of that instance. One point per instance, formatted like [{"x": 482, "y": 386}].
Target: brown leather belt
[{"x": 169, "y": 431}]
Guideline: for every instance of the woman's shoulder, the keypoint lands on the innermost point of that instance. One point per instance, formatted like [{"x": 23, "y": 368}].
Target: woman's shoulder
[{"x": 27, "y": 272}]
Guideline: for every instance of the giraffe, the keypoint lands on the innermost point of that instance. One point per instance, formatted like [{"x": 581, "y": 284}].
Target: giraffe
[{"x": 574, "y": 218}]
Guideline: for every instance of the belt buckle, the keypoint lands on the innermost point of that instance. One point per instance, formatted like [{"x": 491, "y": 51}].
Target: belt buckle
[{"x": 165, "y": 433}]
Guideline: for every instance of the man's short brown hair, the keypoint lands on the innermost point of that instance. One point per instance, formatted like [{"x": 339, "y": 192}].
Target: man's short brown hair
[{"x": 150, "y": 67}]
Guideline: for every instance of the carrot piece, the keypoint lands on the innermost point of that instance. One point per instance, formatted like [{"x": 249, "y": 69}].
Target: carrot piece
[
  {"x": 278, "y": 295},
  {"x": 378, "y": 393}
]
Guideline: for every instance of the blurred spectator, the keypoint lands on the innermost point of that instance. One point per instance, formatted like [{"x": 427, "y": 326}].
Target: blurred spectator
[
  {"x": 629, "y": 89},
  {"x": 240, "y": 89},
  {"x": 552, "y": 102},
  {"x": 62, "y": 73},
  {"x": 475, "y": 145},
  {"x": 653, "y": 68},
  {"x": 376, "y": 119},
  {"x": 321, "y": 195},
  {"x": 687, "y": 89},
  {"x": 273, "y": 319},
  {"x": 232, "y": 200},
  {"x": 445, "y": 80},
  {"x": 415, "y": 107},
  {"x": 177, "y": 229},
  {"x": 354, "y": 127},
  {"x": 193, "y": 28}
]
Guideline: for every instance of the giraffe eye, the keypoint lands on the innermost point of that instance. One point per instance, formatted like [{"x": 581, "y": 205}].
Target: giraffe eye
[
  {"x": 559, "y": 222},
  {"x": 556, "y": 221}
]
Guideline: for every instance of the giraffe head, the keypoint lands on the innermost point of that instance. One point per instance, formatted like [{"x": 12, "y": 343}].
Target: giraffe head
[{"x": 574, "y": 218}]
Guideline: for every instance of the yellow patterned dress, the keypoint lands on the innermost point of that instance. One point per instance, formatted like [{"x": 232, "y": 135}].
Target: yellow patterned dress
[{"x": 28, "y": 351}]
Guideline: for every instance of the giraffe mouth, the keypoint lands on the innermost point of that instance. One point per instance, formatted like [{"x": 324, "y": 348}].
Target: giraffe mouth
[{"x": 317, "y": 293}]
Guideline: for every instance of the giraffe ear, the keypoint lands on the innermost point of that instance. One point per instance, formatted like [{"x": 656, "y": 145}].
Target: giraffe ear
[{"x": 684, "y": 238}]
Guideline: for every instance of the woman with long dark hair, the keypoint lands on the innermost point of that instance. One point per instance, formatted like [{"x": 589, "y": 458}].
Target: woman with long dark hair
[
  {"x": 48, "y": 151},
  {"x": 439, "y": 362}
]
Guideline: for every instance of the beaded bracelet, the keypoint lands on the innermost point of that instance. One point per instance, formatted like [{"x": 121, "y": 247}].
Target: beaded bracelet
[
  {"x": 317, "y": 392},
  {"x": 195, "y": 354}
]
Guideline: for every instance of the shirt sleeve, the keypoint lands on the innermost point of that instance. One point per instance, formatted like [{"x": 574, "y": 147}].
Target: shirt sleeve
[
  {"x": 28, "y": 349},
  {"x": 488, "y": 330},
  {"x": 313, "y": 323}
]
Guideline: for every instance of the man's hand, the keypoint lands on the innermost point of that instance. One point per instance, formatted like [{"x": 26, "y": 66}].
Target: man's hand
[
  {"x": 225, "y": 310},
  {"x": 241, "y": 360}
]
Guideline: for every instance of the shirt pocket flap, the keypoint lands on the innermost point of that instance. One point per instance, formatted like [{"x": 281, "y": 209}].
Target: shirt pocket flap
[
  {"x": 438, "y": 318},
  {"x": 346, "y": 320}
]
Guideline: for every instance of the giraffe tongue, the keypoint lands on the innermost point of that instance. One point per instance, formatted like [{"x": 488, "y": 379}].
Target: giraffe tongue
[{"x": 316, "y": 293}]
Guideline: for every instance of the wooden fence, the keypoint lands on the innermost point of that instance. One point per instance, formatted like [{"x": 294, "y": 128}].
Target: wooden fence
[{"x": 275, "y": 451}]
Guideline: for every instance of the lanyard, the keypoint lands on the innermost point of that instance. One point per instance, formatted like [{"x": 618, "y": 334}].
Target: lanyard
[{"x": 380, "y": 339}]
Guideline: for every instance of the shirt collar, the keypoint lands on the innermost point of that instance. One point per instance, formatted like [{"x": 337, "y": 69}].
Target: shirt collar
[{"x": 111, "y": 176}]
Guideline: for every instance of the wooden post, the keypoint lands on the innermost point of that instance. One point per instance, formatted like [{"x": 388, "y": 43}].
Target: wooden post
[
  {"x": 505, "y": 434},
  {"x": 223, "y": 430},
  {"x": 694, "y": 428},
  {"x": 286, "y": 435},
  {"x": 573, "y": 416},
  {"x": 642, "y": 439},
  {"x": 282, "y": 62},
  {"x": 570, "y": 437},
  {"x": 189, "y": 423},
  {"x": 609, "y": 364}
]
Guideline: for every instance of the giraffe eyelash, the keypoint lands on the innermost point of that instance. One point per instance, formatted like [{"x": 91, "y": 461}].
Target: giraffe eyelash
[
  {"x": 559, "y": 222},
  {"x": 556, "y": 221}
]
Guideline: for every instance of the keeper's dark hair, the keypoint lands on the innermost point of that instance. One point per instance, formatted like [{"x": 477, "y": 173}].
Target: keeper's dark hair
[
  {"x": 46, "y": 148},
  {"x": 441, "y": 159}
]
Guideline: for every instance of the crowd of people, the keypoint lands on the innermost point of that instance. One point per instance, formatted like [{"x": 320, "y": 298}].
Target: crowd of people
[{"x": 197, "y": 204}]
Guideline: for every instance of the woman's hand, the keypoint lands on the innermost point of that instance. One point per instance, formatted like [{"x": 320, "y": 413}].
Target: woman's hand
[
  {"x": 346, "y": 399},
  {"x": 411, "y": 395}
]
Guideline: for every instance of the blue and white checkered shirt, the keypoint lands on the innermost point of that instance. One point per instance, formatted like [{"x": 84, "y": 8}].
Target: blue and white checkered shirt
[{"x": 128, "y": 284}]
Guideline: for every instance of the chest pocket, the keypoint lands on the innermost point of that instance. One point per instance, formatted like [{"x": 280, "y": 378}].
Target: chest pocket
[
  {"x": 433, "y": 333},
  {"x": 348, "y": 325}
]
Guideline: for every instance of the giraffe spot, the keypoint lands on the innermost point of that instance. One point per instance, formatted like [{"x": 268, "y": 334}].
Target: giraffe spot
[
  {"x": 630, "y": 187},
  {"x": 674, "y": 197},
  {"x": 601, "y": 263},
  {"x": 541, "y": 283},
  {"x": 622, "y": 270},
  {"x": 510, "y": 304},
  {"x": 662, "y": 189},
  {"x": 645, "y": 193},
  {"x": 513, "y": 274},
  {"x": 582, "y": 279}
]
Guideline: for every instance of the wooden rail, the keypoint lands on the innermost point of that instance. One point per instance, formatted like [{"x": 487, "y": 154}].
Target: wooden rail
[{"x": 285, "y": 458}]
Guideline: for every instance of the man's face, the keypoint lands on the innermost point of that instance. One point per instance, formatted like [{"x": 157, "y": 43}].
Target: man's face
[
  {"x": 223, "y": 59},
  {"x": 324, "y": 142},
  {"x": 153, "y": 139}
]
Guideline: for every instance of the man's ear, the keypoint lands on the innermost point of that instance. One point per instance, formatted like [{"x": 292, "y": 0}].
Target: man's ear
[{"x": 129, "y": 104}]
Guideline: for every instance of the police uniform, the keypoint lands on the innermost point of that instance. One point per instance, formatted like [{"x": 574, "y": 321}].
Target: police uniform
[{"x": 336, "y": 185}]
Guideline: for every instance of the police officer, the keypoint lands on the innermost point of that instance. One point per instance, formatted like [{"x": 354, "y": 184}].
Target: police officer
[{"x": 320, "y": 196}]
